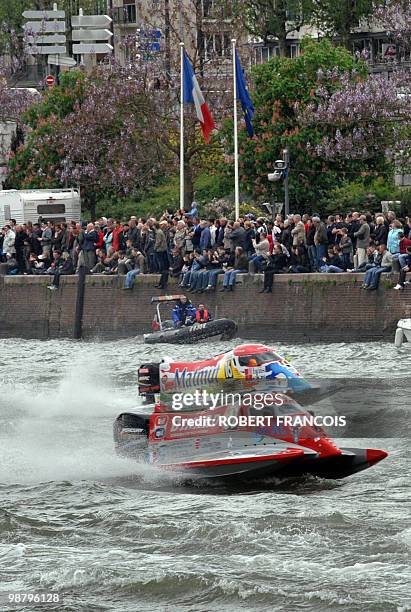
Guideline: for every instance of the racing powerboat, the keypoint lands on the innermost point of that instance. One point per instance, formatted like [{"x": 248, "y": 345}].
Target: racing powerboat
[
  {"x": 403, "y": 332},
  {"x": 195, "y": 431},
  {"x": 164, "y": 331}
]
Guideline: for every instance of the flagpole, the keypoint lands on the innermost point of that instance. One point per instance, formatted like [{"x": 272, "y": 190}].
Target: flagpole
[
  {"x": 181, "y": 126},
  {"x": 236, "y": 181}
]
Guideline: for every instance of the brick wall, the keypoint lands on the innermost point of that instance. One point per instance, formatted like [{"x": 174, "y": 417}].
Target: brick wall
[{"x": 301, "y": 307}]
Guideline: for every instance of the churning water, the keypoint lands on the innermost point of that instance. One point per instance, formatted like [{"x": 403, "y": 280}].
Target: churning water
[{"x": 109, "y": 534}]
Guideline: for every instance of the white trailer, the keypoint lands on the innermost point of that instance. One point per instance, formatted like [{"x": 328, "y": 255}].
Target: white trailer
[{"x": 24, "y": 205}]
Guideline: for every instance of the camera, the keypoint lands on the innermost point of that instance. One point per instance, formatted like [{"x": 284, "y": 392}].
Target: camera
[{"x": 275, "y": 176}]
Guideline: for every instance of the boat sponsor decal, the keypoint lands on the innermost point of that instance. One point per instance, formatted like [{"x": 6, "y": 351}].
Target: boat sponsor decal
[
  {"x": 161, "y": 420},
  {"x": 228, "y": 366}
]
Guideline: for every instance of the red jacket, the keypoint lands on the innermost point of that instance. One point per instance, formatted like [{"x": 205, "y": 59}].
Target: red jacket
[
  {"x": 116, "y": 238},
  {"x": 100, "y": 242},
  {"x": 404, "y": 243}
]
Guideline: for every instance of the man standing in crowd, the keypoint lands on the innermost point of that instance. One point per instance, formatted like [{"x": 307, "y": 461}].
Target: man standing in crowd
[
  {"x": 362, "y": 237},
  {"x": 298, "y": 233},
  {"x": 9, "y": 241},
  {"x": 46, "y": 237},
  {"x": 320, "y": 241},
  {"x": 87, "y": 255}
]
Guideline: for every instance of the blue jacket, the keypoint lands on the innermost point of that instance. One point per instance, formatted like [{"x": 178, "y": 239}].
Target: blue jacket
[
  {"x": 184, "y": 314},
  {"x": 205, "y": 239},
  {"x": 393, "y": 242},
  {"x": 90, "y": 238},
  {"x": 194, "y": 211}
]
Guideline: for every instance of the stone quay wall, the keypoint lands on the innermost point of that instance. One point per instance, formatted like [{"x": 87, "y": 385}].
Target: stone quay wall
[{"x": 302, "y": 307}]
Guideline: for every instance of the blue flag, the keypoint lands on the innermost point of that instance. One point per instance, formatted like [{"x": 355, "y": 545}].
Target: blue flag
[{"x": 244, "y": 96}]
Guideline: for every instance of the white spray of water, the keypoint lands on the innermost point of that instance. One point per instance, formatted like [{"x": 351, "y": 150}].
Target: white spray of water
[{"x": 64, "y": 432}]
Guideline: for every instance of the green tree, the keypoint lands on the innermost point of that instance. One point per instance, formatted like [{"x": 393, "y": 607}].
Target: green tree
[
  {"x": 274, "y": 19},
  {"x": 283, "y": 88},
  {"x": 38, "y": 162},
  {"x": 338, "y": 18}
]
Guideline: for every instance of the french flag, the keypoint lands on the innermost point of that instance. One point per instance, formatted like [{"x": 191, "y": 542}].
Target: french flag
[{"x": 193, "y": 95}]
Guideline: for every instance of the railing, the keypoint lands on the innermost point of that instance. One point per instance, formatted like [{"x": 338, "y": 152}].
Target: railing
[
  {"x": 381, "y": 65},
  {"x": 125, "y": 15}
]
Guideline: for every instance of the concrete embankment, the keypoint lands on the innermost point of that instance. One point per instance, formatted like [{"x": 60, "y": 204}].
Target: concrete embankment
[{"x": 302, "y": 307}]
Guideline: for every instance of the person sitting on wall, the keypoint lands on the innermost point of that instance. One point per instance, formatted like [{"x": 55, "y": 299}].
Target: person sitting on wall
[
  {"x": 373, "y": 259},
  {"x": 12, "y": 265},
  {"x": 240, "y": 266},
  {"x": 64, "y": 266},
  {"x": 202, "y": 314},
  {"x": 404, "y": 269},
  {"x": 183, "y": 313},
  {"x": 372, "y": 276},
  {"x": 334, "y": 263},
  {"x": 275, "y": 265},
  {"x": 42, "y": 264}
]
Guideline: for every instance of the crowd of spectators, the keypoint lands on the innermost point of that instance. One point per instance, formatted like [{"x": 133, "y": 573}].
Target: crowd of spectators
[{"x": 197, "y": 251}]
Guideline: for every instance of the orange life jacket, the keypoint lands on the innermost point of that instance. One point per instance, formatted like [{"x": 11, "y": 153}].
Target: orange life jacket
[{"x": 205, "y": 316}]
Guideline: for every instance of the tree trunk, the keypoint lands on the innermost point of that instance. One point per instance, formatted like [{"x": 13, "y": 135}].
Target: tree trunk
[
  {"x": 167, "y": 38},
  {"x": 90, "y": 201},
  {"x": 282, "y": 45},
  {"x": 282, "y": 31}
]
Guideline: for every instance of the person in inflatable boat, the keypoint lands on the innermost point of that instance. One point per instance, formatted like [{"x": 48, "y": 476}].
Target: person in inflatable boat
[{"x": 184, "y": 313}]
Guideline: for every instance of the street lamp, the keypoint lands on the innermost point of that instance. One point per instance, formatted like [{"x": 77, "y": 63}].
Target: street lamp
[{"x": 281, "y": 170}]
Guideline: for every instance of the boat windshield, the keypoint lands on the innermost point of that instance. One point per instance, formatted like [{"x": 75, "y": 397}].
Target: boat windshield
[{"x": 258, "y": 358}]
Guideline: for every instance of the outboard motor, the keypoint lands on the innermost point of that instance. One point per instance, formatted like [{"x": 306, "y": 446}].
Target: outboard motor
[
  {"x": 149, "y": 381},
  {"x": 130, "y": 432}
]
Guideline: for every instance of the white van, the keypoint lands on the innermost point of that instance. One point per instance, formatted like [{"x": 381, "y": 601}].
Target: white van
[{"x": 24, "y": 205}]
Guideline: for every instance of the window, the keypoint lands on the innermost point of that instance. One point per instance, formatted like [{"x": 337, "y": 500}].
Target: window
[
  {"x": 293, "y": 50},
  {"x": 51, "y": 209},
  {"x": 258, "y": 358},
  {"x": 208, "y": 8},
  {"x": 130, "y": 12},
  {"x": 227, "y": 43},
  {"x": 263, "y": 54},
  {"x": 125, "y": 14},
  {"x": 217, "y": 45}
]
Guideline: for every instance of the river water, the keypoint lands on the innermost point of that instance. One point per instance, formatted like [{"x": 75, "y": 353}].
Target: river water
[{"x": 109, "y": 534}]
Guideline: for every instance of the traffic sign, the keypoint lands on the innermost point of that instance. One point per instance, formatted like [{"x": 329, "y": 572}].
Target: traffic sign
[
  {"x": 46, "y": 40},
  {"x": 45, "y": 35},
  {"x": 90, "y": 21},
  {"x": 86, "y": 35},
  {"x": 150, "y": 33},
  {"x": 92, "y": 48},
  {"x": 45, "y": 26},
  {"x": 44, "y": 15},
  {"x": 61, "y": 60},
  {"x": 46, "y": 49},
  {"x": 50, "y": 80},
  {"x": 389, "y": 50}
]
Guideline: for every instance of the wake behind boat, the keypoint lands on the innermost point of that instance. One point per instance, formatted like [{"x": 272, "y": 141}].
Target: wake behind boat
[{"x": 166, "y": 331}]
